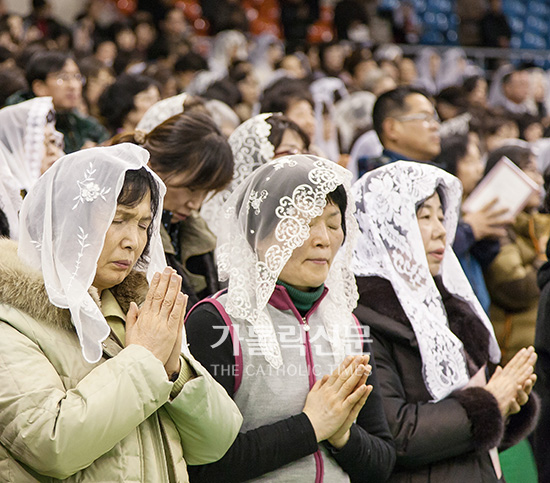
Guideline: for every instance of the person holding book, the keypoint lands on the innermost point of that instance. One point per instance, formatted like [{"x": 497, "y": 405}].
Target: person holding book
[
  {"x": 476, "y": 242},
  {"x": 512, "y": 276}
]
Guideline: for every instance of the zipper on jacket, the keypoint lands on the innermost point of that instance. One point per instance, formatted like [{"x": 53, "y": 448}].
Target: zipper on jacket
[{"x": 319, "y": 464}]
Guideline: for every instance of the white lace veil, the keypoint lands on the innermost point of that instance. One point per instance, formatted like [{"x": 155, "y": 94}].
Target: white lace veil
[
  {"x": 390, "y": 246},
  {"x": 265, "y": 219},
  {"x": 64, "y": 220},
  {"x": 423, "y": 66},
  {"x": 10, "y": 196},
  {"x": 22, "y": 131},
  {"x": 161, "y": 111},
  {"x": 251, "y": 149}
]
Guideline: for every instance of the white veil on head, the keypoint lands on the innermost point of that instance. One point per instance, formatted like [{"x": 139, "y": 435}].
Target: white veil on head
[
  {"x": 161, "y": 111},
  {"x": 426, "y": 80},
  {"x": 266, "y": 218},
  {"x": 22, "y": 132},
  {"x": 390, "y": 246},
  {"x": 64, "y": 220},
  {"x": 10, "y": 195},
  {"x": 251, "y": 149}
]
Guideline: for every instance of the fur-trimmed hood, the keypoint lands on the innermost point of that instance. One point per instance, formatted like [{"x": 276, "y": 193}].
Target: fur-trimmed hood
[{"x": 23, "y": 288}]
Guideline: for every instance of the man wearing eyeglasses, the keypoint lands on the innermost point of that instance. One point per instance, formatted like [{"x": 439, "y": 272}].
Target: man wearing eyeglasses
[
  {"x": 56, "y": 74},
  {"x": 407, "y": 125}
]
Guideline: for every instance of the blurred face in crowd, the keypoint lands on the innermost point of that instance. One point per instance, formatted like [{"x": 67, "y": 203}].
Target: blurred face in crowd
[
  {"x": 516, "y": 89},
  {"x": 415, "y": 132},
  {"x": 292, "y": 64},
  {"x": 64, "y": 86},
  {"x": 362, "y": 71},
  {"x": 430, "y": 221},
  {"x": 508, "y": 130},
  {"x": 106, "y": 52},
  {"x": 175, "y": 24},
  {"x": 333, "y": 58},
  {"x": 53, "y": 147},
  {"x": 142, "y": 102},
  {"x": 97, "y": 84},
  {"x": 469, "y": 169},
  {"x": 145, "y": 35},
  {"x": 126, "y": 40},
  {"x": 301, "y": 112},
  {"x": 435, "y": 63},
  {"x": 407, "y": 71},
  {"x": 291, "y": 143},
  {"x": 478, "y": 96},
  {"x": 249, "y": 88},
  {"x": 531, "y": 170}
]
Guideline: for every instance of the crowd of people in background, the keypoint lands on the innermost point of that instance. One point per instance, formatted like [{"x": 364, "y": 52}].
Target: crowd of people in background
[{"x": 283, "y": 184}]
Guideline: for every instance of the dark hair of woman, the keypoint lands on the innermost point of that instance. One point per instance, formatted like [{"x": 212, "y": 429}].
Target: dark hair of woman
[
  {"x": 4, "y": 226},
  {"x": 453, "y": 149},
  {"x": 190, "y": 143},
  {"x": 279, "y": 124},
  {"x": 519, "y": 155},
  {"x": 137, "y": 183},
  {"x": 117, "y": 100}
]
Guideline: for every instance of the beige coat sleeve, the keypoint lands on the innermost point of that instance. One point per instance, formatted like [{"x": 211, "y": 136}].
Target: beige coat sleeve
[{"x": 207, "y": 419}]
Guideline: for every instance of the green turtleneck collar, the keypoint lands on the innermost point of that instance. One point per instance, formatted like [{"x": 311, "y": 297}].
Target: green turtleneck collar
[{"x": 303, "y": 301}]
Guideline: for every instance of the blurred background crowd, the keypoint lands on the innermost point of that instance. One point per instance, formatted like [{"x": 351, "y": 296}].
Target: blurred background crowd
[{"x": 458, "y": 83}]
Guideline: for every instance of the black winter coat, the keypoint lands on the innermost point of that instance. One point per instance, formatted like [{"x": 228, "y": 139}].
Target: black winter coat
[{"x": 447, "y": 441}]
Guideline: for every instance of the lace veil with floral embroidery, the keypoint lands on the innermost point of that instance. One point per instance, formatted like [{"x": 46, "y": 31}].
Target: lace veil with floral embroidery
[
  {"x": 64, "y": 220},
  {"x": 251, "y": 149},
  {"x": 390, "y": 246},
  {"x": 264, "y": 220}
]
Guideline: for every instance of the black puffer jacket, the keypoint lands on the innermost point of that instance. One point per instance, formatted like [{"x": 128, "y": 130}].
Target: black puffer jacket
[{"x": 447, "y": 441}]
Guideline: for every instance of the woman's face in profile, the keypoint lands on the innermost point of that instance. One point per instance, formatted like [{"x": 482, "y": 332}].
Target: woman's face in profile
[
  {"x": 125, "y": 241},
  {"x": 181, "y": 200},
  {"x": 469, "y": 169},
  {"x": 430, "y": 221},
  {"x": 309, "y": 264}
]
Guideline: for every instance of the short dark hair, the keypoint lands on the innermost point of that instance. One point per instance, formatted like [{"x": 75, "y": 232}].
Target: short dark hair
[
  {"x": 117, "y": 100},
  {"x": 43, "y": 63},
  {"x": 470, "y": 83},
  {"x": 453, "y": 149},
  {"x": 190, "y": 62},
  {"x": 340, "y": 199},
  {"x": 279, "y": 124},
  {"x": 390, "y": 104},
  {"x": 137, "y": 183},
  {"x": 283, "y": 93},
  {"x": 519, "y": 155}
]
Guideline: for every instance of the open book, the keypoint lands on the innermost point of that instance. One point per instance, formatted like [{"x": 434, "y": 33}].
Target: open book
[{"x": 506, "y": 182}]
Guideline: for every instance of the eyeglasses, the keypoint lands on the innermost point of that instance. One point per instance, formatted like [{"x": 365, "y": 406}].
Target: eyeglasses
[
  {"x": 290, "y": 151},
  {"x": 421, "y": 116},
  {"x": 63, "y": 77}
]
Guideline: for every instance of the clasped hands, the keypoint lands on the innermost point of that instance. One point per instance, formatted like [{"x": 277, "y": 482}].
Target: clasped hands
[
  {"x": 512, "y": 385},
  {"x": 334, "y": 402},
  {"x": 158, "y": 324}
]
